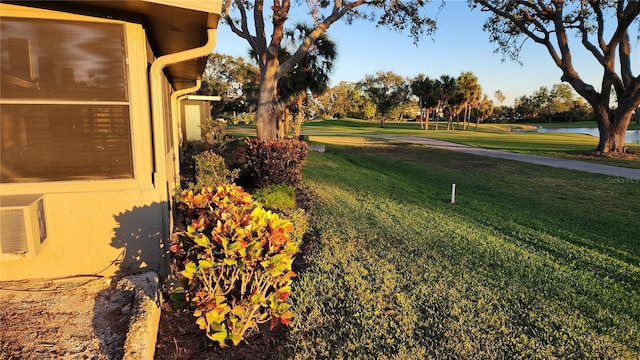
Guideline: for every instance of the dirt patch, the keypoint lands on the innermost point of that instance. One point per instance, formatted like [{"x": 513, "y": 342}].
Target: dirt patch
[
  {"x": 628, "y": 155},
  {"x": 78, "y": 318},
  {"x": 180, "y": 338}
]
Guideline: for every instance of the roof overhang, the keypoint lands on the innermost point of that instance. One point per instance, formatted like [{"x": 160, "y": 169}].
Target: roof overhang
[{"x": 171, "y": 26}]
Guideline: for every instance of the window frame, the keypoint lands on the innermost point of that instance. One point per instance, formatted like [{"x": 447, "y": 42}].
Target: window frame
[{"x": 137, "y": 90}]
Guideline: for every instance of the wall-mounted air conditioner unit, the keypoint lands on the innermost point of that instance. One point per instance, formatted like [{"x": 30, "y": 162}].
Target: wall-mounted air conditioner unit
[{"x": 23, "y": 228}]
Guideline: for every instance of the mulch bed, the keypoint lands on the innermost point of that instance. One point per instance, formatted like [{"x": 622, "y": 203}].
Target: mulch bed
[{"x": 180, "y": 338}]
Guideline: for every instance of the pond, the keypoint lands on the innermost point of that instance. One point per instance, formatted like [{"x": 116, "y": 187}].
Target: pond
[{"x": 631, "y": 137}]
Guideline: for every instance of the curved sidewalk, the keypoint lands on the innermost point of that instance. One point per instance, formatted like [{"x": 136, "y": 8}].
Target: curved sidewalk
[{"x": 534, "y": 159}]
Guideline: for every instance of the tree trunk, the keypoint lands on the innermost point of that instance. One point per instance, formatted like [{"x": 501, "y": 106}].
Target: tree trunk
[
  {"x": 426, "y": 119},
  {"x": 465, "y": 116},
  {"x": 268, "y": 109},
  {"x": 283, "y": 125},
  {"x": 612, "y": 123},
  {"x": 299, "y": 118},
  {"x": 612, "y": 126},
  {"x": 421, "y": 114},
  {"x": 297, "y": 125}
]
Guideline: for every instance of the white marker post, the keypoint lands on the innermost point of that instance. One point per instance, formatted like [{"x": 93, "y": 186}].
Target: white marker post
[{"x": 453, "y": 193}]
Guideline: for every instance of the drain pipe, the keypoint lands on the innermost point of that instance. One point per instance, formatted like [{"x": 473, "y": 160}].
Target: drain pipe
[
  {"x": 157, "y": 108},
  {"x": 176, "y": 116},
  {"x": 160, "y": 179}
]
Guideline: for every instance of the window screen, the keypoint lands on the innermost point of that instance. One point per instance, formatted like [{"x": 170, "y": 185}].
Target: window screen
[{"x": 65, "y": 110}]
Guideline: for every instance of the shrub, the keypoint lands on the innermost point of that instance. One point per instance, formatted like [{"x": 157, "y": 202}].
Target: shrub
[
  {"x": 211, "y": 170},
  {"x": 277, "y": 197},
  {"x": 276, "y": 161},
  {"x": 236, "y": 258},
  {"x": 214, "y": 134},
  {"x": 234, "y": 154}
]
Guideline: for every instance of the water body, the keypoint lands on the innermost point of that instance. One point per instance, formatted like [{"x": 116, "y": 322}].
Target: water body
[{"x": 631, "y": 137}]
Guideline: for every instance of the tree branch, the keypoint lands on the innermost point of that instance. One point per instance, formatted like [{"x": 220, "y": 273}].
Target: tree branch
[
  {"x": 585, "y": 37},
  {"x": 261, "y": 37},
  {"x": 515, "y": 21},
  {"x": 595, "y": 5},
  {"x": 338, "y": 12},
  {"x": 565, "y": 63},
  {"x": 625, "y": 17},
  {"x": 244, "y": 31},
  {"x": 624, "y": 55},
  {"x": 280, "y": 13}
]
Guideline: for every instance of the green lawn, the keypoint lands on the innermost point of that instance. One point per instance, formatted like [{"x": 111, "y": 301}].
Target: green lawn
[
  {"x": 492, "y": 136},
  {"x": 531, "y": 262}
]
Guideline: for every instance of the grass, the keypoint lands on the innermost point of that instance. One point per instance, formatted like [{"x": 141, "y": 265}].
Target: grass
[
  {"x": 531, "y": 262},
  {"x": 492, "y": 136}
]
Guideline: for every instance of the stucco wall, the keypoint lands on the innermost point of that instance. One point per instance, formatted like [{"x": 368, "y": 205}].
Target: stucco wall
[
  {"x": 107, "y": 232},
  {"x": 102, "y": 227}
]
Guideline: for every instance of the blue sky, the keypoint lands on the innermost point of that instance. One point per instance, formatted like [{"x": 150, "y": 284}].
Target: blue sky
[{"x": 458, "y": 45}]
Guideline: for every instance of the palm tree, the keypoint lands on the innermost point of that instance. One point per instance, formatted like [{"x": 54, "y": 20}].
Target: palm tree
[
  {"x": 426, "y": 90},
  {"x": 450, "y": 97},
  {"x": 472, "y": 91},
  {"x": 310, "y": 76},
  {"x": 484, "y": 109},
  {"x": 499, "y": 95}
]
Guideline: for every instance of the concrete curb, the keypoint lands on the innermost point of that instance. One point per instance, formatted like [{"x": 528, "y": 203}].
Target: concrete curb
[{"x": 142, "y": 332}]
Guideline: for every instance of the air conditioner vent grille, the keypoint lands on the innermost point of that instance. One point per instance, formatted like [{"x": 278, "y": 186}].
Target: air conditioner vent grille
[
  {"x": 14, "y": 238},
  {"x": 23, "y": 228}
]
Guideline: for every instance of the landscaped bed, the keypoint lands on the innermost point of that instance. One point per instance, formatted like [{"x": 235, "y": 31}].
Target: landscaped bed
[{"x": 530, "y": 262}]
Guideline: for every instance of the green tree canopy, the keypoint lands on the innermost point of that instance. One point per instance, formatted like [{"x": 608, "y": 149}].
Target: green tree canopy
[
  {"x": 387, "y": 90},
  {"x": 346, "y": 99},
  {"x": 233, "y": 79}
]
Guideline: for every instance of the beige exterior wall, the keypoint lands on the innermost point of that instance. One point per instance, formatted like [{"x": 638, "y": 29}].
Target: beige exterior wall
[{"x": 90, "y": 223}]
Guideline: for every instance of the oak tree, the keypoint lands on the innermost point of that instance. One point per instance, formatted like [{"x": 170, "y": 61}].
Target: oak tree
[
  {"x": 559, "y": 24},
  {"x": 388, "y": 91}
]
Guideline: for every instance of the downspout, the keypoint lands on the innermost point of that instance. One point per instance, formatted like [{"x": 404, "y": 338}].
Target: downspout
[
  {"x": 176, "y": 117},
  {"x": 155, "y": 75},
  {"x": 160, "y": 182}
]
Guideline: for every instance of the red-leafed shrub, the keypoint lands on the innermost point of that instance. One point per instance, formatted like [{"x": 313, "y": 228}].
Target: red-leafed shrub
[{"x": 273, "y": 162}]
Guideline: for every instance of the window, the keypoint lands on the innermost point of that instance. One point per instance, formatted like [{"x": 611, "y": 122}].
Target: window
[{"x": 65, "y": 104}]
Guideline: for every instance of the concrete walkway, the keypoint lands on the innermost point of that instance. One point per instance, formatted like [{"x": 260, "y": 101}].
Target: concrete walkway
[{"x": 633, "y": 174}]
